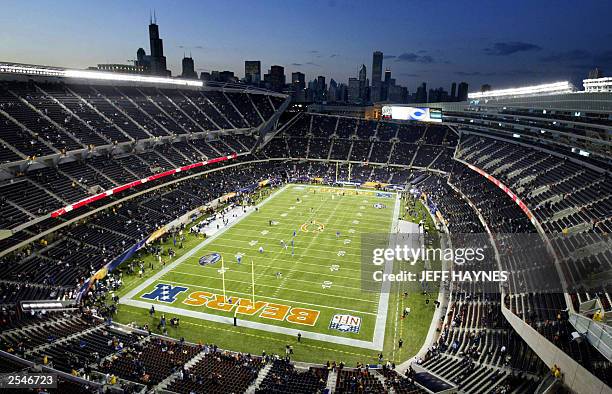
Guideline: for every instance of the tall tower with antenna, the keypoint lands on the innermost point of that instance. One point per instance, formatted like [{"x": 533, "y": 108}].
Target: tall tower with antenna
[{"x": 158, "y": 60}]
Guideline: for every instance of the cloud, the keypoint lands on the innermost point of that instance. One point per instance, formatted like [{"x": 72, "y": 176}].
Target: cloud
[
  {"x": 296, "y": 64},
  {"x": 334, "y": 55},
  {"x": 313, "y": 64},
  {"x": 389, "y": 57},
  {"x": 510, "y": 47},
  {"x": 315, "y": 51},
  {"x": 414, "y": 58},
  {"x": 408, "y": 75}
]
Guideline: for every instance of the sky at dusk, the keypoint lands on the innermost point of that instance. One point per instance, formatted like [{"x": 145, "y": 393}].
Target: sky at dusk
[{"x": 504, "y": 43}]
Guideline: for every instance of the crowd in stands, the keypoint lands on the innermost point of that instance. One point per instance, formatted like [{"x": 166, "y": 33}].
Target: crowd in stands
[{"x": 314, "y": 136}]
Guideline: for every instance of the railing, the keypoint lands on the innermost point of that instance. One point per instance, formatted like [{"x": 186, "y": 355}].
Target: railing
[
  {"x": 575, "y": 376},
  {"x": 598, "y": 334}
]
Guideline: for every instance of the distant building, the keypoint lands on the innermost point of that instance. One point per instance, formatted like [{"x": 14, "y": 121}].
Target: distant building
[
  {"x": 155, "y": 63},
  {"x": 386, "y": 85},
  {"x": 205, "y": 76},
  {"x": 485, "y": 88},
  {"x": 377, "y": 88},
  {"x": 437, "y": 95},
  {"x": 363, "y": 83},
  {"x": 397, "y": 94},
  {"x": 275, "y": 78},
  {"x": 421, "y": 93},
  {"x": 188, "y": 68},
  {"x": 342, "y": 94},
  {"x": 453, "y": 95},
  {"x": 223, "y": 76},
  {"x": 354, "y": 91},
  {"x": 321, "y": 89},
  {"x": 227, "y": 76},
  {"x": 332, "y": 92},
  {"x": 462, "y": 91},
  {"x": 157, "y": 58},
  {"x": 252, "y": 72},
  {"x": 298, "y": 86}
]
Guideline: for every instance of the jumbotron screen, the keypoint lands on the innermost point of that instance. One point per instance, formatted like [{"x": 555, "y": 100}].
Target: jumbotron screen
[{"x": 412, "y": 113}]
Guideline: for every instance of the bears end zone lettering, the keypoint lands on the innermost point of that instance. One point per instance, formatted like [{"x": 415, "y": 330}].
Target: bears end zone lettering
[{"x": 242, "y": 306}]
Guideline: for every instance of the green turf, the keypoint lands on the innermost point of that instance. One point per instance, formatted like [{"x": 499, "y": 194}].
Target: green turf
[{"x": 302, "y": 278}]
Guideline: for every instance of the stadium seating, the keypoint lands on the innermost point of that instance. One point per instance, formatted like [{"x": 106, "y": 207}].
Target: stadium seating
[
  {"x": 103, "y": 136},
  {"x": 283, "y": 377}
]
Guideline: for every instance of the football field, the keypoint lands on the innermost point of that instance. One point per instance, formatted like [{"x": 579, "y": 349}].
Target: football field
[{"x": 301, "y": 248}]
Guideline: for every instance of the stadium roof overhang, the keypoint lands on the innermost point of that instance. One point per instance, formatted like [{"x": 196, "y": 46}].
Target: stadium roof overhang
[{"x": 44, "y": 71}]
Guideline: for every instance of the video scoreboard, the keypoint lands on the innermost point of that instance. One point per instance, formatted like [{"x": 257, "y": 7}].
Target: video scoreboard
[{"x": 396, "y": 112}]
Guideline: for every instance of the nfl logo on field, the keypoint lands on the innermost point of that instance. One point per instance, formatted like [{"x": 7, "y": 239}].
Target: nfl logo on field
[
  {"x": 345, "y": 323},
  {"x": 209, "y": 259}
]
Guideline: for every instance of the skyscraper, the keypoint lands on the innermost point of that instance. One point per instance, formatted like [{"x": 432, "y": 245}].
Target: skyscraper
[
  {"x": 384, "y": 92},
  {"x": 421, "y": 93},
  {"x": 298, "y": 80},
  {"x": 298, "y": 85},
  {"x": 275, "y": 78},
  {"x": 332, "y": 92},
  {"x": 453, "y": 95},
  {"x": 462, "y": 91},
  {"x": 157, "y": 58},
  {"x": 363, "y": 83},
  {"x": 377, "y": 63},
  {"x": 188, "y": 68},
  {"x": 321, "y": 89},
  {"x": 252, "y": 71},
  {"x": 354, "y": 91}
]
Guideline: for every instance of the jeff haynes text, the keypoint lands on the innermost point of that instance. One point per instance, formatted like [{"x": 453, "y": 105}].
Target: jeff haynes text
[{"x": 436, "y": 276}]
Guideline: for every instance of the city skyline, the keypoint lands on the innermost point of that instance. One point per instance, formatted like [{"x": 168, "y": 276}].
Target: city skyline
[{"x": 512, "y": 57}]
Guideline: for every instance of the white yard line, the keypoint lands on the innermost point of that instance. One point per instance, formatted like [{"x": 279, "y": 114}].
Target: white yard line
[
  {"x": 303, "y": 263},
  {"x": 345, "y": 247},
  {"x": 271, "y": 276},
  {"x": 277, "y": 287}
]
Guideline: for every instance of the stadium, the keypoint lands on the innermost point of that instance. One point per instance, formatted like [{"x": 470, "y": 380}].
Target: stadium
[{"x": 177, "y": 235}]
